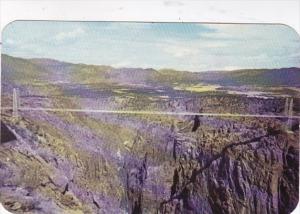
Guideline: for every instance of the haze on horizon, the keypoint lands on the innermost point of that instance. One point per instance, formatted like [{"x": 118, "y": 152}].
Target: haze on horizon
[{"x": 181, "y": 46}]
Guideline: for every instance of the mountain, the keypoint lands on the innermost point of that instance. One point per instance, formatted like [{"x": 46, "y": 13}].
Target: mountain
[
  {"x": 259, "y": 77},
  {"x": 30, "y": 69}
]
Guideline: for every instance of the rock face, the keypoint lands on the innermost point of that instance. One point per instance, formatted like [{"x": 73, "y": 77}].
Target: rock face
[
  {"x": 182, "y": 164},
  {"x": 135, "y": 181},
  {"x": 253, "y": 176}
]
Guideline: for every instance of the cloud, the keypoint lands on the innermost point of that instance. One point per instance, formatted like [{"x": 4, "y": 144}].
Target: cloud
[
  {"x": 183, "y": 49},
  {"x": 10, "y": 42},
  {"x": 179, "y": 51},
  {"x": 69, "y": 35},
  {"x": 122, "y": 64}
]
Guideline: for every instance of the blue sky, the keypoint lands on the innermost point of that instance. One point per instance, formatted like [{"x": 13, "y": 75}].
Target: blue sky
[{"x": 181, "y": 46}]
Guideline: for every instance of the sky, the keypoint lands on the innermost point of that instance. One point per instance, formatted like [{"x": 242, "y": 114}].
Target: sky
[{"x": 181, "y": 46}]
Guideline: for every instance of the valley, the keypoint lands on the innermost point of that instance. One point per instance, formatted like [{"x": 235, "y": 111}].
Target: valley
[{"x": 243, "y": 158}]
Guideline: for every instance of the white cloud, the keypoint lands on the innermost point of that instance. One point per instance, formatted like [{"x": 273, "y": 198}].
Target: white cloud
[
  {"x": 230, "y": 68},
  {"x": 122, "y": 64},
  {"x": 180, "y": 51},
  {"x": 69, "y": 35},
  {"x": 192, "y": 48},
  {"x": 10, "y": 42}
]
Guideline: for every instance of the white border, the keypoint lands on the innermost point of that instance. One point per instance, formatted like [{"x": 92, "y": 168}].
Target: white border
[
  {"x": 225, "y": 11},
  {"x": 229, "y": 11}
]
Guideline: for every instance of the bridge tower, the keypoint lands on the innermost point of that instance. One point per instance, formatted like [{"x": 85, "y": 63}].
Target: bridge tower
[
  {"x": 290, "y": 114},
  {"x": 16, "y": 103},
  {"x": 286, "y": 107}
]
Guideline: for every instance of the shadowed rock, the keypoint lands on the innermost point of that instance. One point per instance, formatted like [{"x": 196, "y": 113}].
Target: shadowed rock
[
  {"x": 196, "y": 123},
  {"x": 6, "y": 134}
]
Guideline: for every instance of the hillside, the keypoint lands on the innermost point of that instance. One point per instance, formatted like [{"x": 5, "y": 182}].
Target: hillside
[{"x": 29, "y": 69}]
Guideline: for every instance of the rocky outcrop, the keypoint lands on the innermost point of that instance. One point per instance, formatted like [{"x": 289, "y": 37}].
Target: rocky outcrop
[
  {"x": 258, "y": 175},
  {"x": 136, "y": 175},
  {"x": 223, "y": 165}
]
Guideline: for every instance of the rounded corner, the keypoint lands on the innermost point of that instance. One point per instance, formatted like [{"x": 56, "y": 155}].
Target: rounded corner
[
  {"x": 290, "y": 28},
  {"x": 8, "y": 25},
  {"x": 296, "y": 209}
]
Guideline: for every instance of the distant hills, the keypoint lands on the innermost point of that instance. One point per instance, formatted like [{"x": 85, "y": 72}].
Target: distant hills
[
  {"x": 259, "y": 77},
  {"x": 25, "y": 69}
]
